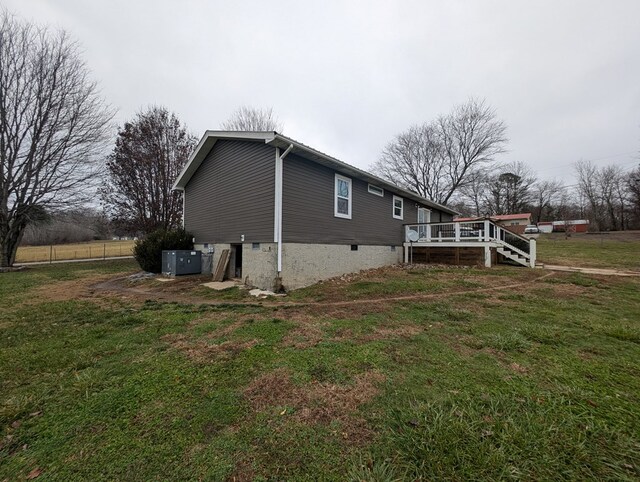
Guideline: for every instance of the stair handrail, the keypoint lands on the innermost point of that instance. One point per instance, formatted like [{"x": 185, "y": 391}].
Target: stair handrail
[{"x": 496, "y": 238}]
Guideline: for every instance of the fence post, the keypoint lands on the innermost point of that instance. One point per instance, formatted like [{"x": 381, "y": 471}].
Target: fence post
[
  {"x": 50, "y": 254},
  {"x": 104, "y": 251}
]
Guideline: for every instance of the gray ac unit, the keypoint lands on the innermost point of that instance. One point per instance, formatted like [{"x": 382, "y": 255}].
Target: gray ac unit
[{"x": 180, "y": 262}]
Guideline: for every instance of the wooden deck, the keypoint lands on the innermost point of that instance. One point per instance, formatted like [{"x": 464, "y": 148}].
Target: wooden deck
[{"x": 476, "y": 242}]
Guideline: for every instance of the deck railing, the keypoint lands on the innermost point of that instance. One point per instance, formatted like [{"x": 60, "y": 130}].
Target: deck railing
[
  {"x": 481, "y": 231},
  {"x": 448, "y": 232},
  {"x": 464, "y": 232}
]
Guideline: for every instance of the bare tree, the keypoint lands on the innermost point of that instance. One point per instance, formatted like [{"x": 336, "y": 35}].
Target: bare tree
[
  {"x": 53, "y": 127},
  {"x": 588, "y": 186},
  {"x": 474, "y": 191},
  {"x": 510, "y": 189},
  {"x": 253, "y": 119},
  {"x": 437, "y": 159},
  {"x": 633, "y": 193},
  {"x": 614, "y": 196},
  {"x": 149, "y": 153},
  {"x": 607, "y": 192},
  {"x": 414, "y": 159},
  {"x": 545, "y": 196},
  {"x": 69, "y": 226}
]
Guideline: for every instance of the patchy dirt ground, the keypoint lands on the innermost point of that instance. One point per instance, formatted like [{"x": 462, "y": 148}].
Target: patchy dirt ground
[
  {"x": 316, "y": 402},
  {"x": 203, "y": 350},
  {"x": 381, "y": 285},
  {"x": 76, "y": 289},
  {"x": 596, "y": 271}
]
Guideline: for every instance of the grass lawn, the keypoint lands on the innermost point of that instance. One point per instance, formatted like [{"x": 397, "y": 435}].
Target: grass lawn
[
  {"x": 609, "y": 250},
  {"x": 537, "y": 382}
]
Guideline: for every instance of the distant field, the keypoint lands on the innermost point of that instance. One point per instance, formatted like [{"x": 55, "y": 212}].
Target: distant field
[
  {"x": 609, "y": 250},
  {"x": 59, "y": 252}
]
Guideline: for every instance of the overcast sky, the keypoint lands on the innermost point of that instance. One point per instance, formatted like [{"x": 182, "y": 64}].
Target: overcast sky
[{"x": 346, "y": 76}]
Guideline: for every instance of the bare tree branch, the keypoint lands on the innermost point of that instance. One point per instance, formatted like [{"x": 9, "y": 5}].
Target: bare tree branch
[
  {"x": 53, "y": 127},
  {"x": 253, "y": 119},
  {"x": 149, "y": 153},
  {"x": 438, "y": 158},
  {"x": 607, "y": 191},
  {"x": 546, "y": 195}
]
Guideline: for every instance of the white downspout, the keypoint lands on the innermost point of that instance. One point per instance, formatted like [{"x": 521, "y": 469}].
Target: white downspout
[
  {"x": 277, "y": 213},
  {"x": 277, "y": 224},
  {"x": 184, "y": 192}
]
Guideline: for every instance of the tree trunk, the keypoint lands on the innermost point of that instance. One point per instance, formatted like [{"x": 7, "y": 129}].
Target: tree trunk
[
  {"x": 4, "y": 259},
  {"x": 5, "y": 254},
  {"x": 9, "y": 247}
]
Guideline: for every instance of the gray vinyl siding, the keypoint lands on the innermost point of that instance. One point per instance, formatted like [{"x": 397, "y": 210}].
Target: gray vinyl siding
[
  {"x": 232, "y": 193},
  {"x": 308, "y": 209}
]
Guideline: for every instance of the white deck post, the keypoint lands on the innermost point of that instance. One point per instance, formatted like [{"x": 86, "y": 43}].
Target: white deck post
[
  {"x": 532, "y": 252},
  {"x": 487, "y": 230},
  {"x": 457, "y": 230},
  {"x": 428, "y": 230},
  {"x": 406, "y": 254},
  {"x": 487, "y": 257}
]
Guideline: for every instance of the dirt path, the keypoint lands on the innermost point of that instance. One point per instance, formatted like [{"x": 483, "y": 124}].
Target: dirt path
[
  {"x": 597, "y": 271},
  {"x": 114, "y": 286}
]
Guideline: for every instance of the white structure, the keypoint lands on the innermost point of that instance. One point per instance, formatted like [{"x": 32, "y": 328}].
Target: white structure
[{"x": 474, "y": 235}]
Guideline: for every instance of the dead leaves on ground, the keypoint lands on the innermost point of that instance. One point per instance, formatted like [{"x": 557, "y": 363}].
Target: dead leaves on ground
[{"x": 316, "y": 403}]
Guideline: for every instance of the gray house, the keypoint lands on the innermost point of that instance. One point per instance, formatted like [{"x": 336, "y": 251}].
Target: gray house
[{"x": 292, "y": 215}]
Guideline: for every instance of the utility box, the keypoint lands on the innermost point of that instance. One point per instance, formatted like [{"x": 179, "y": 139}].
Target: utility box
[
  {"x": 180, "y": 262},
  {"x": 207, "y": 263}
]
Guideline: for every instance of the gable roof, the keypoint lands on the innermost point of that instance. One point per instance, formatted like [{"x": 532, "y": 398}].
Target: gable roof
[{"x": 274, "y": 139}]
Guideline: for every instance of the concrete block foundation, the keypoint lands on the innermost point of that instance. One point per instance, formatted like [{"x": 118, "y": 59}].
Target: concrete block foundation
[
  {"x": 303, "y": 264},
  {"x": 306, "y": 264}
]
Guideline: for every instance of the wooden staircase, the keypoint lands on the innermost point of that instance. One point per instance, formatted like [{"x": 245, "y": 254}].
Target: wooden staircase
[{"x": 516, "y": 256}]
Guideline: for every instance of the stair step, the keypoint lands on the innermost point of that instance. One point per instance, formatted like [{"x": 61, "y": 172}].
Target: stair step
[{"x": 514, "y": 256}]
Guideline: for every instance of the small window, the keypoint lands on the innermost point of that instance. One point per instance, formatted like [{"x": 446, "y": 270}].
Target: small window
[
  {"x": 354, "y": 247},
  {"x": 378, "y": 191},
  {"x": 342, "y": 208},
  {"x": 397, "y": 207},
  {"x": 255, "y": 246},
  {"x": 393, "y": 248}
]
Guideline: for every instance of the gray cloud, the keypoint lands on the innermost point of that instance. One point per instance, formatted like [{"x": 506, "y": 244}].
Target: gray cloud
[{"x": 346, "y": 76}]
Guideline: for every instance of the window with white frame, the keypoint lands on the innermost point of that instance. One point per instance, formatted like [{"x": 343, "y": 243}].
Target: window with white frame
[
  {"x": 378, "y": 191},
  {"x": 398, "y": 207},
  {"x": 342, "y": 208}
]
